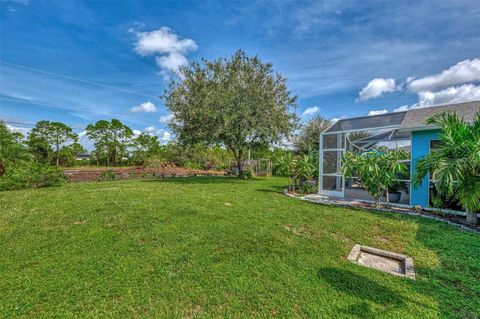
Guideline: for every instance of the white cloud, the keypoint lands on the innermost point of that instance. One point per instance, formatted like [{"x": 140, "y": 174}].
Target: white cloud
[
  {"x": 402, "y": 108},
  {"x": 87, "y": 143},
  {"x": 456, "y": 94},
  {"x": 169, "y": 49},
  {"x": 379, "y": 112},
  {"x": 23, "y": 130},
  {"x": 376, "y": 88},
  {"x": 150, "y": 130},
  {"x": 449, "y": 86},
  {"x": 163, "y": 135},
  {"x": 462, "y": 72},
  {"x": 171, "y": 62},
  {"x": 136, "y": 132},
  {"x": 165, "y": 119},
  {"x": 147, "y": 107},
  {"x": 311, "y": 110}
]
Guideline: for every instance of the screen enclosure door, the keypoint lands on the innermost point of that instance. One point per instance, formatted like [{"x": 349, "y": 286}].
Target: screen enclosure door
[{"x": 332, "y": 149}]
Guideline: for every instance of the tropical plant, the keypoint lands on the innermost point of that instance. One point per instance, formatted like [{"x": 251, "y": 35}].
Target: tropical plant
[
  {"x": 295, "y": 167},
  {"x": 376, "y": 171},
  {"x": 240, "y": 103},
  {"x": 455, "y": 165}
]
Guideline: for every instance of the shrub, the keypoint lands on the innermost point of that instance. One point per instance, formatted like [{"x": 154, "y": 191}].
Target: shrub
[
  {"x": 32, "y": 175},
  {"x": 108, "y": 175},
  {"x": 295, "y": 168},
  {"x": 308, "y": 188}
]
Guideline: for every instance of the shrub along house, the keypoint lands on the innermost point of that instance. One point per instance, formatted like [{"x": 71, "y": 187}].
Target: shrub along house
[{"x": 406, "y": 131}]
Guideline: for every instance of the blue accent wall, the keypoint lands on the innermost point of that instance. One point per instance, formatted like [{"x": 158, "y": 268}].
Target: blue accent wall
[{"x": 421, "y": 147}]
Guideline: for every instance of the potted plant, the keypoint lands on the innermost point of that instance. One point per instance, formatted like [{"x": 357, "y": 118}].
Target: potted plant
[{"x": 393, "y": 194}]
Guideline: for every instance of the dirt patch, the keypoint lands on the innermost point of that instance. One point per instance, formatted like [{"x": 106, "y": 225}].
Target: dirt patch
[{"x": 166, "y": 170}]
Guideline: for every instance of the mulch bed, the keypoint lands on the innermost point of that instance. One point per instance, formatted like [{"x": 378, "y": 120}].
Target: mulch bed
[
  {"x": 166, "y": 170},
  {"x": 452, "y": 219}
]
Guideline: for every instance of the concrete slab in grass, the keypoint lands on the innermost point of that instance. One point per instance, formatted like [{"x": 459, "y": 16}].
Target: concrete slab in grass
[{"x": 383, "y": 260}]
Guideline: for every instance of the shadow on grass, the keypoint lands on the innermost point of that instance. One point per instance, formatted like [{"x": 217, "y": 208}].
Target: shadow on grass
[
  {"x": 273, "y": 189},
  {"x": 198, "y": 180},
  {"x": 451, "y": 284},
  {"x": 366, "y": 290},
  {"x": 454, "y": 282}
]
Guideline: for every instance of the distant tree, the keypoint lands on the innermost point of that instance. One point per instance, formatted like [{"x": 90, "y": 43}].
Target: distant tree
[
  {"x": 48, "y": 136},
  {"x": 69, "y": 153},
  {"x": 12, "y": 148},
  {"x": 121, "y": 139},
  {"x": 39, "y": 142},
  {"x": 143, "y": 146},
  {"x": 101, "y": 134},
  {"x": 358, "y": 135},
  {"x": 237, "y": 102},
  {"x": 60, "y": 134},
  {"x": 308, "y": 137},
  {"x": 111, "y": 139}
]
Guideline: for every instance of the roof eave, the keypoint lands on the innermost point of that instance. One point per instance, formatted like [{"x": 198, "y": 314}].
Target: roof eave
[{"x": 419, "y": 128}]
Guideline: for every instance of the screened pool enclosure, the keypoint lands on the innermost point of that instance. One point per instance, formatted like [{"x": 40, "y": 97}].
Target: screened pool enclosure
[{"x": 361, "y": 134}]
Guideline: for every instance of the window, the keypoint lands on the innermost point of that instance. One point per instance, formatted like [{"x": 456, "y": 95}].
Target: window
[{"x": 435, "y": 144}]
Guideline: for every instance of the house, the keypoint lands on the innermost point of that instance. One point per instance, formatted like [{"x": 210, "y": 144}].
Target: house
[
  {"x": 81, "y": 157},
  {"x": 395, "y": 131}
]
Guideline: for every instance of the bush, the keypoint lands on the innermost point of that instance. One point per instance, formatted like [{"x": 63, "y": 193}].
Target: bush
[
  {"x": 32, "y": 175},
  {"x": 108, "y": 175},
  {"x": 308, "y": 188}
]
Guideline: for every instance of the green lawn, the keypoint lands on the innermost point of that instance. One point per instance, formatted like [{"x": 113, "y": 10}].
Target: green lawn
[{"x": 220, "y": 247}]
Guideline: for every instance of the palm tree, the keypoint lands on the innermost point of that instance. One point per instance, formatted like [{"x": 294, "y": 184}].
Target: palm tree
[{"x": 455, "y": 165}]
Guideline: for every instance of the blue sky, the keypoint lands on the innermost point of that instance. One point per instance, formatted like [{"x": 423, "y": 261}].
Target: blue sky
[{"x": 79, "y": 62}]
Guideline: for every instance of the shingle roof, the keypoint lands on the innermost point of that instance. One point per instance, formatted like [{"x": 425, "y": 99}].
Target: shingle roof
[{"x": 416, "y": 118}]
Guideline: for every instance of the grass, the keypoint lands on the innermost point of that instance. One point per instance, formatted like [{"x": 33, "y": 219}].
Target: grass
[{"x": 211, "y": 247}]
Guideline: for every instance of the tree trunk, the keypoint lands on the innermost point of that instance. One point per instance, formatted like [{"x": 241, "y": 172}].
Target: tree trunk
[
  {"x": 2, "y": 168},
  {"x": 239, "y": 168},
  {"x": 377, "y": 201},
  {"x": 58, "y": 154},
  {"x": 238, "y": 158},
  {"x": 472, "y": 218}
]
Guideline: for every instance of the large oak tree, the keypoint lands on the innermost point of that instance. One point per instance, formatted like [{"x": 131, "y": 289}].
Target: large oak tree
[{"x": 238, "y": 102}]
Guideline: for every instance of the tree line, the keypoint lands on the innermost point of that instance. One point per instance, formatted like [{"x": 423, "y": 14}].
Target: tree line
[
  {"x": 55, "y": 143},
  {"x": 222, "y": 110}
]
